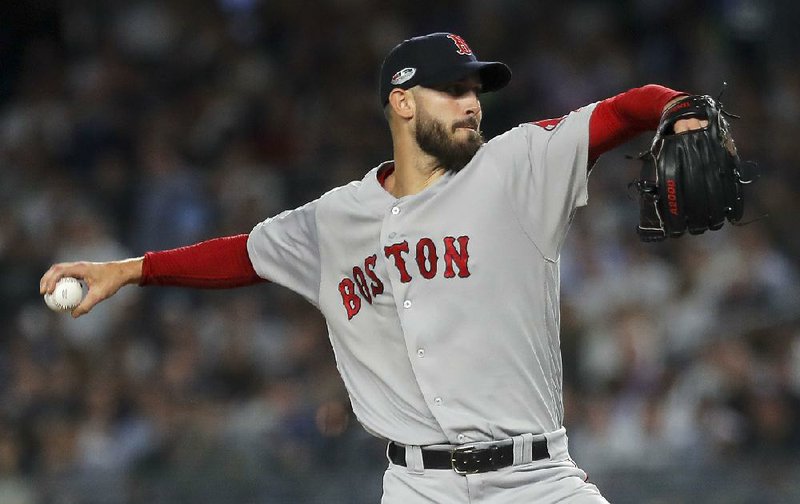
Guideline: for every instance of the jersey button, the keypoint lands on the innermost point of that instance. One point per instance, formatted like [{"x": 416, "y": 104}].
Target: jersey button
[
  {"x": 407, "y": 304},
  {"x": 437, "y": 401},
  {"x": 462, "y": 438},
  {"x": 392, "y": 235},
  {"x": 421, "y": 353},
  {"x": 395, "y": 210}
]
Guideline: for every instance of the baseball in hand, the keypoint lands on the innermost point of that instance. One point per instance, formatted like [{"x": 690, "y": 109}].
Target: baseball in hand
[{"x": 66, "y": 296}]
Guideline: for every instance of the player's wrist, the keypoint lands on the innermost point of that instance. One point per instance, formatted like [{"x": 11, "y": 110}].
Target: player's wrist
[
  {"x": 130, "y": 270},
  {"x": 670, "y": 104}
]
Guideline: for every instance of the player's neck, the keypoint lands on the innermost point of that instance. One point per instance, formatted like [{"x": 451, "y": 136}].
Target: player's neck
[{"x": 414, "y": 171}]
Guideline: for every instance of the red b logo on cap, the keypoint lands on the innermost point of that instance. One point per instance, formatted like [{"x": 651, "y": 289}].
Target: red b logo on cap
[{"x": 462, "y": 46}]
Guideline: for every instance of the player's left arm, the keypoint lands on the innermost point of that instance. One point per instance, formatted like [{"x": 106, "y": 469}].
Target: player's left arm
[{"x": 620, "y": 118}]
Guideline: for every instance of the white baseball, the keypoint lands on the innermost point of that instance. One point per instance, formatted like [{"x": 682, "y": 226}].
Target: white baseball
[{"x": 66, "y": 296}]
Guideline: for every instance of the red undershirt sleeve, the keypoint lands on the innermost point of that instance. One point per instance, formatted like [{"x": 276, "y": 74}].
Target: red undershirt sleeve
[
  {"x": 219, "y": 263},
  {"x": 618, "y": 119}
]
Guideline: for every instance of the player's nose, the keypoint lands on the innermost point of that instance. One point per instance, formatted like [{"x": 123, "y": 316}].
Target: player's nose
[{"x": 472, "y": 104}]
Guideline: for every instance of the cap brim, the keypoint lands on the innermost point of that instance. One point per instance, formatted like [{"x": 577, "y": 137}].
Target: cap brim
[{"x": 494, "y": 75}]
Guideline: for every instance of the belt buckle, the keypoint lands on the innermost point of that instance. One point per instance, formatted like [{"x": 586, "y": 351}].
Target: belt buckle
[{"x": 471, "y": 450}]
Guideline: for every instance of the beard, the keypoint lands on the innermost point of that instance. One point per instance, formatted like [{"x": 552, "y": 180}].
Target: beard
[{"x": 435, "y": 139}]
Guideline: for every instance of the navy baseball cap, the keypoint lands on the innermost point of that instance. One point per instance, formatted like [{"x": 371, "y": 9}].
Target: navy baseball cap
[{"x": 437, "y": 58}]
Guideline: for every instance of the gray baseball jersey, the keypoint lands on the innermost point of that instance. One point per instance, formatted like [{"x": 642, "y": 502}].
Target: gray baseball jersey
[{"x": 443, "y": 306}]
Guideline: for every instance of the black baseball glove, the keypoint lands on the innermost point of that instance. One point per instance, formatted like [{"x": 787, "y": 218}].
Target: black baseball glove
[{"x": 691, "y": 180}]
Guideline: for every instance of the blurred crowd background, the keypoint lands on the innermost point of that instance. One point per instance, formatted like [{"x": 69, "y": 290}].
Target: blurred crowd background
[{"x": 128, "y": 126}]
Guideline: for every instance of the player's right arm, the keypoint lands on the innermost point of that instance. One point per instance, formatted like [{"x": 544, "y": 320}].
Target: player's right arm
[
  {"x": 283, "y": 249},
  {"x": 213, "y": 264}
]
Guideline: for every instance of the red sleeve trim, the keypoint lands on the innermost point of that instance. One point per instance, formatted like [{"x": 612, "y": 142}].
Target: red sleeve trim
[
  {"x": 214, "y": 264},
  {"x": 618, "y": 119}
]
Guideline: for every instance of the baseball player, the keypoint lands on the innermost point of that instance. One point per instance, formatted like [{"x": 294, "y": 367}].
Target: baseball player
[{"x": 438, "y": 275}]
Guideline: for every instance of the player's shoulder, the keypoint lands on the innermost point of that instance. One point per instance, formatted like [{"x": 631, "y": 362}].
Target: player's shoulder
[
  {"x": 329, "y": 198},
  {"x": 342, "y": 194},
  {"x": 579, "y": 116},
  {"x": 343, "y": 191},
  {"x": 522, "y": 133},
  {"x": 576, "y": 120},
  {"x": 351, "y": 195},
  {"x": 518, "y": 137}
]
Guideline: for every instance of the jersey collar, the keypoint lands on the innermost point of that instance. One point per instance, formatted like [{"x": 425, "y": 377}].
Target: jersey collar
[{"x": 371, "y": 193}]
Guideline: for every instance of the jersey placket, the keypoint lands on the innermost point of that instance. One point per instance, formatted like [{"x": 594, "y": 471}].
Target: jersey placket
[{"x": 399, "y": 274}]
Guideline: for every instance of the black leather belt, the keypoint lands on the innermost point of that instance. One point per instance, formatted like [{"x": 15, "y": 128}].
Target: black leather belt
[{"x": 468, "y": 460}]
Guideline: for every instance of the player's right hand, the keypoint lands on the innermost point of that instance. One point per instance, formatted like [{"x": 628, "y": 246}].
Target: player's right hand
[{"x": 103, "y": 279}]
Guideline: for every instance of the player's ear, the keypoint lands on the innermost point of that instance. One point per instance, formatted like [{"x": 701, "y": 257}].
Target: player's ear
[{"x": 402, "y": 103}]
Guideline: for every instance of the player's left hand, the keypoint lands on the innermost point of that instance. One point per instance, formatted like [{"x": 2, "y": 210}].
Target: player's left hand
[
  {"x": 689, "y": 124},
  {"x": 690, "y": 181}
]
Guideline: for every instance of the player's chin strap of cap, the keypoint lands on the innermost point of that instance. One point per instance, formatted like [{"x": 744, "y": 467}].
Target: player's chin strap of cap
[{"x": 469, "y": 459}]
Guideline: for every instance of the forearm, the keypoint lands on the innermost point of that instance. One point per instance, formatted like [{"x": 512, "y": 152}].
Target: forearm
[
  {"x": 620, "y": 118},
  {"x": 214, "y": 264}
]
